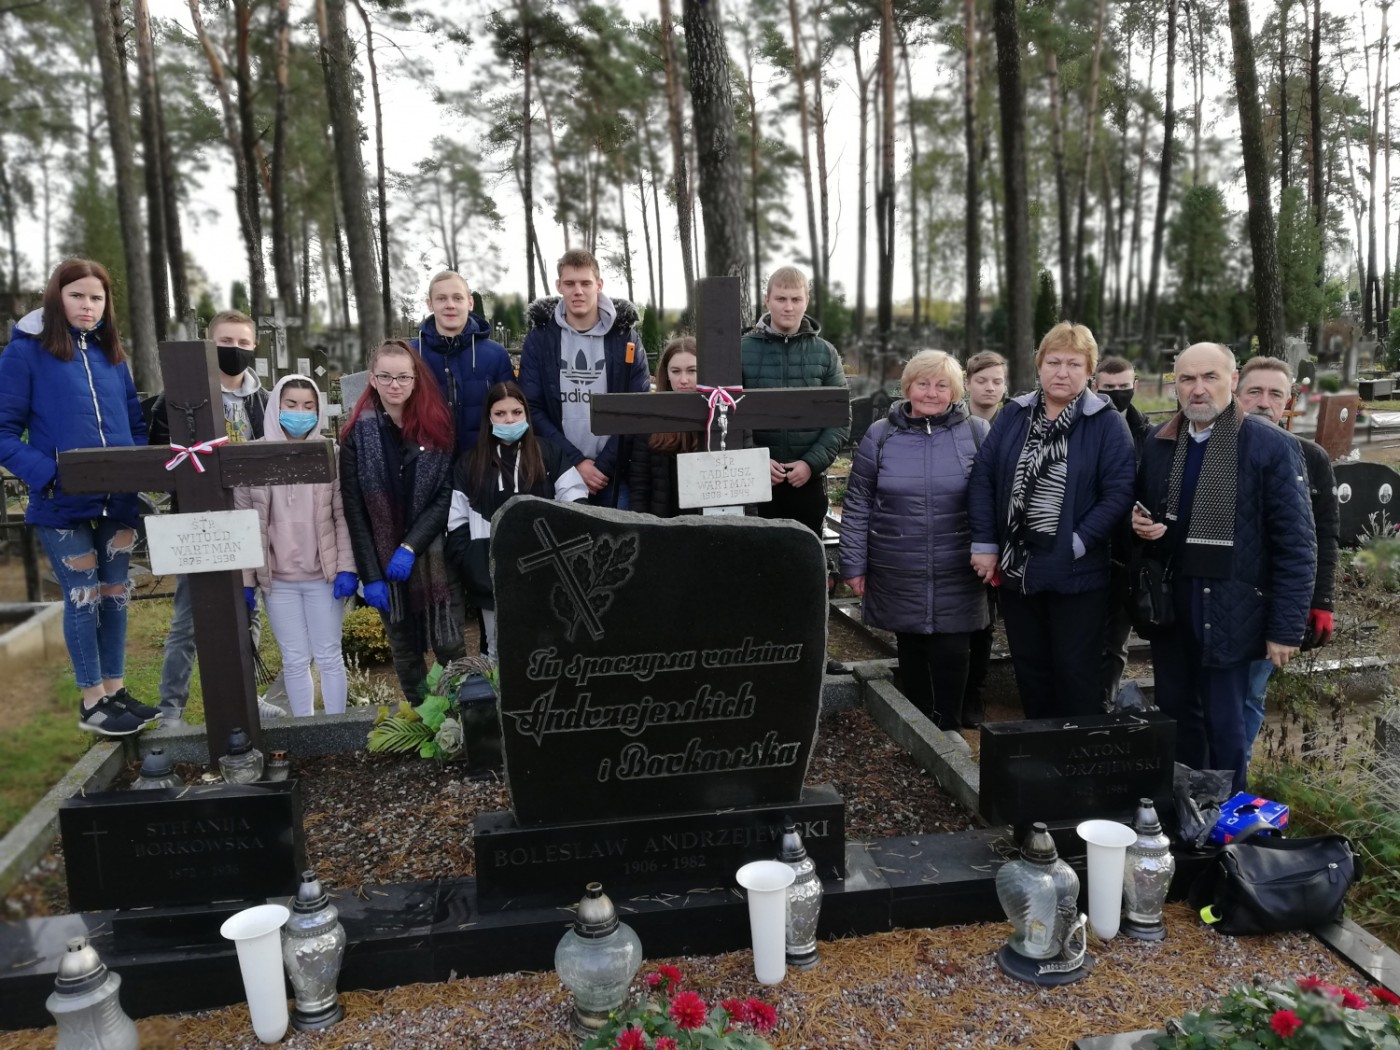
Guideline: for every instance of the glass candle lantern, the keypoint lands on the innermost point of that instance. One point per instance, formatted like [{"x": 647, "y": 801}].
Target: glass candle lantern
[
  {"x": 804, "y": 901},
  {"x": 313, "y": 947},
  {"x": 596, "y": 959},
  {"x": 243, "y": 763},
  {"x": 1147, "y": 875},
  {"x": 157, "y": 771},
  {"x": 85, "y": 1006}
]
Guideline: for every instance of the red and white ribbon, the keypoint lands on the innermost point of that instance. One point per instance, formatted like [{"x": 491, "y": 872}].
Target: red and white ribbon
[
  {"x": 193, "y": 452},
  {"x": 720, "y": 398}
]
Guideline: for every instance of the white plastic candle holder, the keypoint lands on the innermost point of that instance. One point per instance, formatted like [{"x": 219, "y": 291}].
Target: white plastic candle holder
[
  {"x": 765, "y": 884},
  {"x": 1108, "y": 843},
  {"x": 256, "y": 933}
]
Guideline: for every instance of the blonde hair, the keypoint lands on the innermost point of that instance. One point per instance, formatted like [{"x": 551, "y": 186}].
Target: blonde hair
[
  {"x": 789, "y": 277},
  {"x": 443, "y": 275},
  {"x": 983, "y": 361},
  {"x": 1068, "y": 337},
  {"x": 933, "y": 364}
]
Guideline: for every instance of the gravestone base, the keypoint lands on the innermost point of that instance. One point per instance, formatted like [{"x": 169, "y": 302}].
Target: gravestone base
[
  {"x": 516, "y": 865},
  {"x": 187, "y": 926}
]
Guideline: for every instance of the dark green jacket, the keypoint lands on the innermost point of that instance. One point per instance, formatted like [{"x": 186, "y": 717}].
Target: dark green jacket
[{"x": 770, "y": 359}]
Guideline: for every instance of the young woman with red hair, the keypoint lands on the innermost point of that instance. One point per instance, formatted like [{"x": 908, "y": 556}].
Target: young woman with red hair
[{"x": 396, "y": 486}]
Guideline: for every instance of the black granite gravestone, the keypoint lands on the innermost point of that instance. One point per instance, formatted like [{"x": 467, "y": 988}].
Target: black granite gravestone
[
  {"x": 175, "y": 846},
  {"x": 1058, "y": 769},
  {"x": 1365, "y": 500}
]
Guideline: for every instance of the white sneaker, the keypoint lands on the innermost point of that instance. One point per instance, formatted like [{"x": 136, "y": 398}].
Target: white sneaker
[{"x": 267, "y": 710}]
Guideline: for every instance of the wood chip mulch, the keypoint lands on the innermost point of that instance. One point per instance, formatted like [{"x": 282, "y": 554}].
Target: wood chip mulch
[{"x": 902, "y": 990}]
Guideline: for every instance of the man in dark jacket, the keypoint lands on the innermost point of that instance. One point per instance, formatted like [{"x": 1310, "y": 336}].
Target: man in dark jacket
[
  {"x": 785, "y": 349},
  {"x": 458, "y": 350},
  {"x": 1228, "y": 506},
  {"x": 1264, "y": 389},
  {"x": 582, "y": 343}
]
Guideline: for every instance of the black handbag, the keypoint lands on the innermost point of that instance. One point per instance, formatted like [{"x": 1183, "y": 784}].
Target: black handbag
[
  {"x": 1261, "y": 883},
  {"x": 1150, "y": 595}
]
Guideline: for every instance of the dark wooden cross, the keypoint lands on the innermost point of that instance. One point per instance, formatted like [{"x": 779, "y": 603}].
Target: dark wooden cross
[
  {"x": 718, "y": 332},
  {"x": 194, "y": 402}
]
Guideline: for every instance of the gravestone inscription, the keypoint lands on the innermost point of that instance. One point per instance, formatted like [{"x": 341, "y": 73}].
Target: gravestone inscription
[{"x": 174, "y": 846}]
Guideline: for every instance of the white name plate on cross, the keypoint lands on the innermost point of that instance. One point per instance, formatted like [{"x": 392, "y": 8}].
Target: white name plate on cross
[
  {"x": 722, "y": 479},
  {"x": 212, "y": 541}
]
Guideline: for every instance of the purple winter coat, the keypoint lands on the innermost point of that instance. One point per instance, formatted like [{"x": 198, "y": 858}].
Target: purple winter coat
[{"x": 904, "y": 523}]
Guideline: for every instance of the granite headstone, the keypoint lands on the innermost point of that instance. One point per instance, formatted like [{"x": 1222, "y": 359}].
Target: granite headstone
[
  {"x": 1336, "y": 423},
  {"x": 1365, "y": 499}
]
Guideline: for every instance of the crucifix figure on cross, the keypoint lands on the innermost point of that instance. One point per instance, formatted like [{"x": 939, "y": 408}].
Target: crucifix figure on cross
[
  {"x": 203, "y": 471},
  {"x": 718, "y": 332}
]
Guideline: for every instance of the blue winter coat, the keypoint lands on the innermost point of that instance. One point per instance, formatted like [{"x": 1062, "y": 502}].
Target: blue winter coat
[
  {"x": 539, "y": 378},
  {"x": 85, "y": 402},
  {"x": 1098, "y": 493},
  {"x": 1274, "y": 558},
  {"x": 904, "y": 523},
  {"x": 465, "y": 366}
]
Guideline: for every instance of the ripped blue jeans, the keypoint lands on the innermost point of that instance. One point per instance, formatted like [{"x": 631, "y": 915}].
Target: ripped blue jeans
[{"x": 86, "y": 559}]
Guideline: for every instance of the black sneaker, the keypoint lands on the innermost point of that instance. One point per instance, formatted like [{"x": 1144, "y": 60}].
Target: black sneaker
[
  {"x": 107, "y": 718},
  {"x": 124, "y": 700}
]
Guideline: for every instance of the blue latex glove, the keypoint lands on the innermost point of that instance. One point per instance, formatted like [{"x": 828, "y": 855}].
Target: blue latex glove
[
  {"x": 250, "y": 595},
  {"x": 400, "y": 565},
  {"x": 377, "y": 595},
  {"x": 346, "y": 583}
]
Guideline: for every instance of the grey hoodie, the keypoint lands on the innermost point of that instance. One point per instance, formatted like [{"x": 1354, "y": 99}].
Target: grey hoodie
[{"x": 582, "y": 373}]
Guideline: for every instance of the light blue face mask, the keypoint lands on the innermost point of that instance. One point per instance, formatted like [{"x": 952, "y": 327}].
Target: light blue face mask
[
  {"x": 297, "y": 424},
  {"x": 510, "y": 433}
]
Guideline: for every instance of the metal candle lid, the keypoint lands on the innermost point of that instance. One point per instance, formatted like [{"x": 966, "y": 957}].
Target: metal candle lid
[
  {"x": 238, "y": 742},
  {"x": 596, "y": 915},
  {"x": 156, "y": 764},
  {"x": 310, "y": 896},
  {"x": 1145, "y": 821},
  {"x": 792, "y": 848},
  {"x": 80, "y": 970},
  {"x": 1039, "y": 847}
]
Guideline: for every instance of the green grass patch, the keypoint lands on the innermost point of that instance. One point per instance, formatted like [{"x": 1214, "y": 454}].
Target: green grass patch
[{"x": 36, "y": 754}]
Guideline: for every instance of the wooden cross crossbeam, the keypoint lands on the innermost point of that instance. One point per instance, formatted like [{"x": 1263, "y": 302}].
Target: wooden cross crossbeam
[
  {"x": 194, "y": 402},
  {"x": 719, "y": 331}
]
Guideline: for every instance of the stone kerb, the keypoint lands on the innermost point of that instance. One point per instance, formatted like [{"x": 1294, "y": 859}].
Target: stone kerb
[{"x": 34, "y": 638}]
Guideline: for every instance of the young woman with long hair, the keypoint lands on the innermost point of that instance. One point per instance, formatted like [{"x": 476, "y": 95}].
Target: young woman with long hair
[
  {"x": 653, "y": 464},
  {"x": 396, "y": 485}
]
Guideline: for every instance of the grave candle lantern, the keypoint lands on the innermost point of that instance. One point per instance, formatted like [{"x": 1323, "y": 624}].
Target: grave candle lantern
[
  {"x": 804, "y": 901},
  {"x": 596, "y": 959},
  {"x": 243, "y": 763},
  {"x": 1147, "y": 876},
  {"x": 313, "y": 947},
  {"x": 1040, "y": 893},
  {"x": 157, "y": 771},
  {"x": 84, "y": 1003},
  {"x": 279, "y": 766}
]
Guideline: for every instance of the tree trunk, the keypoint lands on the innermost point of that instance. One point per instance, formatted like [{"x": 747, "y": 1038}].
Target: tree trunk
[
  {"x": 248, "y": 143},
  {"x": 1283, "y": 144},
  {"x": 1020, "y": 348},
  {"x": 1195, "y": 39},
  {"x": 561, "y": 211},
  {"x": 884, "y": 194},
  {"x": 622, "y": 223},
  {"x": 381, "y": 181},
  {"x": 337, "y": 62},
  {"x": 527, "y": 120},
  {"x": 151, "y": 165},
  {"x": 140, "y": 308},
  {"x": 174, "y": 239},
  {"x": 819, "y": 129},
  {"x": 1164, "y": 185},
  {"x": 799, "y": 75},
  {"x": 1057, "y": 150},
  {"x": 914, "y": 258},
  {"x": 654, "y": 165},
  {"x": 284, "y": 270},
  {"x": 1268, "y": 292},
  {"x": 1385, "y": 255},
  {"x": 1134, "y": 278},
  {"x": 1370, "y": 290},
  {"x": 720, "y": 176},
  {"x": 972, "y": 314},
  {"x": 1091, "y": 120},
  {"x": 679, "y": 182},
  {"x": 755, "y": 134},
  {"x": 864, "y": 84}
]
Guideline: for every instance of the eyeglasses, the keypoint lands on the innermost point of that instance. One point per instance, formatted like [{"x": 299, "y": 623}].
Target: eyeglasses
[{"x": 385, "y": 379}]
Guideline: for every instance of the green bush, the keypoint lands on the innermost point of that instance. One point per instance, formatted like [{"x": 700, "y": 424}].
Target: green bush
[
  {"x": 1329, "y": 382},
  {"x": 363, "y": 638}
]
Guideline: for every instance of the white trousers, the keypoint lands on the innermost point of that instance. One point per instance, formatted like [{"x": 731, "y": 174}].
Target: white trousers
[{"x": 305, "y": 618}]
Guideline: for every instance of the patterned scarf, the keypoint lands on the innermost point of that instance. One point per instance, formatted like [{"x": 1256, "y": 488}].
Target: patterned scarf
[
  {"x": 388, "y": 491},
  {"x": 1210, "y": 535},
  {"x": 1038, "y": 489}
]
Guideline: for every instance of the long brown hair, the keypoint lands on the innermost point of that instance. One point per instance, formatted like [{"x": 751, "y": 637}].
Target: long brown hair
[
  {"x": 674, "y": 441},
  {"x": 486, "y": 453},
  {"x": 55, "y": 336},
  {"x": 427, "y": 421}
]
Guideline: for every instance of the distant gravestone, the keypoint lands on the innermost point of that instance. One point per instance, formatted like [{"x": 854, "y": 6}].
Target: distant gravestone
[
  {"x": 1058, "y": 769},
  {"x": 1336, "y": 423},
  {"x": 352, "y": 386},
  {"x": 660, "y": 690},
  {"x": 1365, "y": 353},
  {"x": 1295, "y": 350},
  {"x": 1366, "y": 494},
  {"x": 196, "y": 845}
]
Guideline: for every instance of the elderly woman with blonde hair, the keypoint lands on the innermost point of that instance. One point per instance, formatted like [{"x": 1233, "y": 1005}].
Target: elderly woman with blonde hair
[
  {"x": 1051, "y": 484},
  {"x": 905, "y": 538}
]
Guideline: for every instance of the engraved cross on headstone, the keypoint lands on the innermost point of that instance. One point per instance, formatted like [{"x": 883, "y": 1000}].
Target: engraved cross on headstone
[
  {"x": 557, "y": 554},
  {"x": 195, "y": 401}
]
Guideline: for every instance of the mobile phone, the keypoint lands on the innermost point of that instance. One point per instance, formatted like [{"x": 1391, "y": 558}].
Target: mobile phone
[{"x": 1139, "y": 505}]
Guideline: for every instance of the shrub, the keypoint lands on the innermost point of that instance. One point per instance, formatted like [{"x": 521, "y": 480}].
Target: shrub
[{"x": 363, "y": 638}]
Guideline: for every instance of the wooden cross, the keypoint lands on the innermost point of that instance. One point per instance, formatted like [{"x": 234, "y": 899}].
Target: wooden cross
[
  {"x": 718, "y": 332},
  {"x": 194, "y": 402}
]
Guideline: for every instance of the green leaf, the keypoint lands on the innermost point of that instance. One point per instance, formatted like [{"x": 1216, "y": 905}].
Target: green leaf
[
  {"x": 429, "y": 749},
  {"x": 434, "y": 676},
  {"x": 433, "y": 710},
  {"x": 398, "y": 734}
]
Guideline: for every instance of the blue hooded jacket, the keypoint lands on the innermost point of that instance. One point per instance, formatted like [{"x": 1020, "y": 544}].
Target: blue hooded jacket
[
  {"x": 85, "y": 402},
  {"x": 465, "y": 366}
]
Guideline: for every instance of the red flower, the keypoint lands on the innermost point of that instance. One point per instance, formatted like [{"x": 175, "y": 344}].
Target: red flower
[
  {"x": 653, "y": 980},
  {"x": 737, "y": 1009},
  {"x": 688, "y": 1010},
  {"x": 1285, "y": 1023},
  {"x": 1352, "y": 1001},
  {"x": 630, "y": 1039},
  {"x": 1386, "y": 996},
  {"x": 1310, "y": 983},
  {"x": 762, "y": 1016},
  {"x": 671, "y": 974},
  {"x": 665, "y": 1043}
]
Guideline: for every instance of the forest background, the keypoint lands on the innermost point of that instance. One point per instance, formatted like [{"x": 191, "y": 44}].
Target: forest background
[{"x": 952, "y": 173}]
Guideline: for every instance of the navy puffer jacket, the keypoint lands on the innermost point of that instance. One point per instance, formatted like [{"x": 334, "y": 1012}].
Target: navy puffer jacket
[
  {"x": 465, "y": 366},
  {"x": 1098, "y": 493},
  {"x": 84, "y": 402},
  {"x": 1273, "y": 561},
  {"x": 904, "y": 523}
]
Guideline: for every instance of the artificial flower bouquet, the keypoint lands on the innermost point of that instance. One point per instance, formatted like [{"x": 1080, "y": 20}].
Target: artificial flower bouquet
[
  {"x": 671, "y": 1017},
  {"x": 1306, "y": 1014}
]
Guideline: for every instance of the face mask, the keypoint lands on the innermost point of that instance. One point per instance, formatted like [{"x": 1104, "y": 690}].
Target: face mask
[
  {"x": 233, "y": 361},
  {"x": 510, "y": 433},
  {"x": 297, "y": 424},
  {"x": 1121, "y": 398}
]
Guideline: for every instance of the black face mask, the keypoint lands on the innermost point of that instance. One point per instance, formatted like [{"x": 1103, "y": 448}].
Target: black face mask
[
  {"x": 233, "y": 361},
  {"x": 1121, "y": 398}
]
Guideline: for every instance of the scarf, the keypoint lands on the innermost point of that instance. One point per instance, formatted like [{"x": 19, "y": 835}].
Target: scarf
[
  {"x": 1038, "y": 489},
  {"x": 1210, "y": 534},
  {"x": 397, "y": 486}
]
